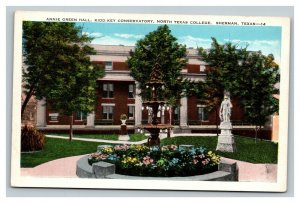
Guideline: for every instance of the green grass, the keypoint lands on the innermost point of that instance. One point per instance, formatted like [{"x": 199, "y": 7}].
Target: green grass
[
  {"x": 247, "y": 149},
  {"x": 133, "y": 137},
  {"x": 137, "y": 137},
  {"x": 57, "y": 148}
]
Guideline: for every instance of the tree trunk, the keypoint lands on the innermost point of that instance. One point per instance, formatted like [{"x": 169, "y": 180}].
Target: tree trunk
[
  {"x": 71, "y": 128},
  {"x": 256, "y": 130},
  {"x": 170, "y": 115},
  {"x": 170, "y": 122},
  {"x": 258, "y": 133},
  {"x": 28, "y": 96}
]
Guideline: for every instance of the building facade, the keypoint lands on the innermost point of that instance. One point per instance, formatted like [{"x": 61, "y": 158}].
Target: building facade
[{"x": 117, "y": 94}]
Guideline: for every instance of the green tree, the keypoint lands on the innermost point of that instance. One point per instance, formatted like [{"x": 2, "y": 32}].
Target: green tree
[
  {"x": 221, "y": 74},
  {"x": 58, "y": 67},
  {"x": 161, "y": 47},
  {"x": 259, "y": 76},
  {"x": 248, "y": 76}
]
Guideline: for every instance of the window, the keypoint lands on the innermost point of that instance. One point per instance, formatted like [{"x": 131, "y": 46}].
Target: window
[
  {"x": 131, "y": 112},
  {"x": 131, "y": 91},
  {"x": 53, "y": 117},
  {"x": 107, "y": 112},
  {"x": 202, "y": 113},
  {"x": 108, "y": 91},
  {"x": 80, "y": 116},
  {"x": 108, "y": 65}
]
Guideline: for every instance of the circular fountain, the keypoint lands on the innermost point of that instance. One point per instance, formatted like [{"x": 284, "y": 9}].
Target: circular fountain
[{"x": 154, "y": 104}]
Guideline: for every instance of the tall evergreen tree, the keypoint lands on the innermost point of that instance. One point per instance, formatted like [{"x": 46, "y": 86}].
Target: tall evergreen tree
[{"x": 58, "y": 67}]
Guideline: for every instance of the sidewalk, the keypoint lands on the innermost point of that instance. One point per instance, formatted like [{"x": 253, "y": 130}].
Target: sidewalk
[
  {"x": 162, "y": 136},
  {"x": 66, "y": 167},
  {"x": 67, "y": 127}
]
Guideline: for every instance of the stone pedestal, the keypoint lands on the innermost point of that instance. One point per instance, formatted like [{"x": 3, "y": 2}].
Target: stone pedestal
[
  {"x": 153, "y": 140},
  {"x": 123, "y": 133},
  {"x": 90, "y": 120},
  {"x": 226, "y": 141}
]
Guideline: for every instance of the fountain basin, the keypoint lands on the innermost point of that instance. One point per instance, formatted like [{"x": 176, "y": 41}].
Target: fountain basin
[{"x": 226, "y": 172}]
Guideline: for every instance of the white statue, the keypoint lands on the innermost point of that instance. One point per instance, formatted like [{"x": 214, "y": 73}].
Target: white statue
[{"x": 225, "y": 109}]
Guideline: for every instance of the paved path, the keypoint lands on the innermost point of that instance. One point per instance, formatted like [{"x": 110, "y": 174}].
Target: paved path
[
  {"x": 66, "y": 167},
  {"x": 162, "y": 136},
  {"x": 255, "y": 172},
  {"x": 98, "y": 140}
]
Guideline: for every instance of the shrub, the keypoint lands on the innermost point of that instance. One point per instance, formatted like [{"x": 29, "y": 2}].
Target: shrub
[
  {"x": 167, "y": 161},
  {"x": 31, "y": 139}
]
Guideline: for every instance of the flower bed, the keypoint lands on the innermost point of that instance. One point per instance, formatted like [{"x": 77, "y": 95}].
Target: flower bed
[{"x": 167, "y": 161}]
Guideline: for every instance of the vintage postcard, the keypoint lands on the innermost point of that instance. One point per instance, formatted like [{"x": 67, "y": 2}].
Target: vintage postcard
[{"x": 136, "y": 101}]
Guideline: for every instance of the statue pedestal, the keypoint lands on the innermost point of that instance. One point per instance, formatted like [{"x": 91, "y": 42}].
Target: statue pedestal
[
  {"x": 226, "y": 141},
  {"x": 123, "y": 134}
]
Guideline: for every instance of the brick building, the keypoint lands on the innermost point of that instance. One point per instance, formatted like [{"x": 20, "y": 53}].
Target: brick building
[{"x": 117, "y": 93}]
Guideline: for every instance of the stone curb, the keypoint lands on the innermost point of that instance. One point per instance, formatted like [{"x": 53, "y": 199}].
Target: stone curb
[{"x": 226, "y": 172}]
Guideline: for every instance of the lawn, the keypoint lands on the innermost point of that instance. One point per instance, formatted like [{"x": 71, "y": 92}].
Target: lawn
[
  {"x": 57, "y": 148},
  {"x": 247, "y": 149}
]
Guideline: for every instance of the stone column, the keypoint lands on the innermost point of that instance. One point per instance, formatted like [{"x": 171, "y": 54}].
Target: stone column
[
  {"x": 183, "y": 112},
  {"x": 163, "y": 116},
  {"x": 41, "y": 113},
  {"x": 90, "y": 120},
  {"x": 184, "y": 116},
  {"x": 138, "y": 106}
]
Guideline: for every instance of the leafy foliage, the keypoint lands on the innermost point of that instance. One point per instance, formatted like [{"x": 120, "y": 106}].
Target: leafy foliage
[
  {"x": 58, "y": 66},
  {"x": 249, "y": 76},
  {"x": 259, "y": 75},
  {"x": 159, "y": 47},
  {"x": 222, "y": 73},
  {"x": 31, "y": 139}
]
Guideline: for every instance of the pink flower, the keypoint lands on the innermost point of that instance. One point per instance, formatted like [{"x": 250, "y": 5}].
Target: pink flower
[
  {"x": 121, "y": 147},
  {"x": 205, "y": 161},
  {"x": 147, "y": 160},
  {"x": 98, "y": 155},
  {"x": 196, "y": 161}
]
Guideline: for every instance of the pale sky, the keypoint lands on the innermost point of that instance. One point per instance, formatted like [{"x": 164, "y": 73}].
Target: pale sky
[{"x": 264, "y": 38}]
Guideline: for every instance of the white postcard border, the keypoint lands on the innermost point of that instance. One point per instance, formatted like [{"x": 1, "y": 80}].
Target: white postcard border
[{"x": 21, "y": 181}]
